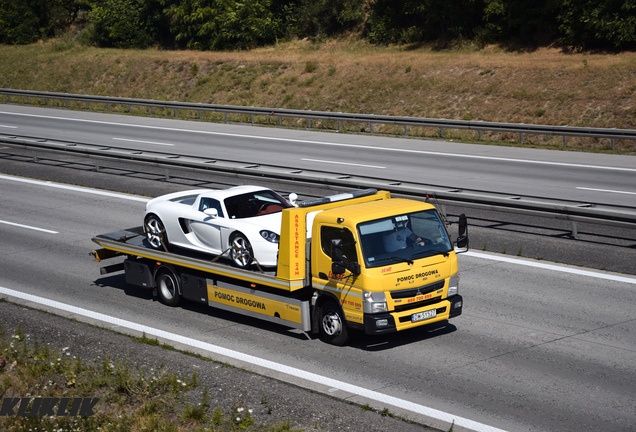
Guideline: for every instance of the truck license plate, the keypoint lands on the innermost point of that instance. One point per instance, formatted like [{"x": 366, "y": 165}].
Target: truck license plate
[{"x": 424, "y": 315}]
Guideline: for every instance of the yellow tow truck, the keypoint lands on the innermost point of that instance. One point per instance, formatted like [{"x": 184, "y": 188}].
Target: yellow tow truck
[{"x": 356, "y": 261}]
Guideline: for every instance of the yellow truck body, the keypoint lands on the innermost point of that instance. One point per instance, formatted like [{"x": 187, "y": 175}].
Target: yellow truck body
[{"x": 338, "y": 268}]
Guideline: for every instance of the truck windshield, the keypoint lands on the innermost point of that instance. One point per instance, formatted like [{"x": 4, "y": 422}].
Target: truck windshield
[{"x": 403, "y": 238}]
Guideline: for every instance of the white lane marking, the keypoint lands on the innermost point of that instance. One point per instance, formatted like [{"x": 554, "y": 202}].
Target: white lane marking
[
  {"x": 257, "y": 361},
  {"x": 607, "y": 190},
  {"x": 469, "y": 253},
  {"x": 501, "y": 159},
  {"x": 10, "y": 127},
  {"x": 28, "y": 227},
  {"x": 74, "y": 188},
  {"x": 143, "y": 142},
  {"x": 343, "y": 163},
  {"x": 553, "y": 267}
]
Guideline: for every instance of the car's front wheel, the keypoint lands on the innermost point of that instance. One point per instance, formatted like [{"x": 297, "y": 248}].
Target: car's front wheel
[
  {"x": 241, "y": 251},
  {"x": 156, "y": 232}
]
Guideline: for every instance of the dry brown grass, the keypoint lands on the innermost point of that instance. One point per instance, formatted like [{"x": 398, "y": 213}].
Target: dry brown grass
[{"x": 541, "y": 87}]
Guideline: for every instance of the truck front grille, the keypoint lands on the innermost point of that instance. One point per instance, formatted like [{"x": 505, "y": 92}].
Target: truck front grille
[{"x": 413, "y": 292}]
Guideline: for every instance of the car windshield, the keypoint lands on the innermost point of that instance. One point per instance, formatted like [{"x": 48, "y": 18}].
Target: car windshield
[
  {"x": 403, "y": 238},
  {"x": 254, "y": 204}
]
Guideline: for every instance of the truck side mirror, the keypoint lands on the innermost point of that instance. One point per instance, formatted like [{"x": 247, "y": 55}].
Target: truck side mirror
[
  {"x": 463, "y": 224},
  {"x": 338, "y": 265},
  {"x": 462, "y": 239}
]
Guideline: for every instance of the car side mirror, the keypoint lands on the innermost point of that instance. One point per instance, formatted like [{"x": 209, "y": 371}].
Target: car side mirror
[
  {"x": 212, "y": 212},
  {"x": 293, "y": 197}
]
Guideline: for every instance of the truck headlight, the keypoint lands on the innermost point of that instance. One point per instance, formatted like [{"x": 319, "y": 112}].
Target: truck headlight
[
  {"x": 373, "y": 302},
  {"x": 453, "y": 285},
  {"x": 270, "y": 236}
]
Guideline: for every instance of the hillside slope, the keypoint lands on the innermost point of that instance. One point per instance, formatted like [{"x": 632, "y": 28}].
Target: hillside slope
[{"x": 541, "y": 87}]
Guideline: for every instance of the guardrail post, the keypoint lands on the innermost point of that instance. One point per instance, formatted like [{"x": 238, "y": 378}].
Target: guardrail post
[
  {"x": 521, "y": 137},
  {"x": 479, "y": 134},
  {"x": 225, "y": 117},
  {"x": 66, "y": 102},
  {"x": 252, "y": 118},
  {"x": 46, "y": 101},
  {"x": 371, "y": 127},
  {"x": 28, "y": 100},
  {"x": 575, "y": 230},
  {"x": 405, "y": 130},
  {"x": 308, "y": 123},
  {"x": 175, "y": 112},
  {"x": 107, "y": 107},
  {"x": 441, "y": 132},
  {"x": 200, "y": 114},
  {"x": 339, "y": 125},
  {"x": 86, "y": 104},
  {"x": 565, "y": 140},
  {"x": 613, "y": 143},
  {"x": 129, "y": 107}
]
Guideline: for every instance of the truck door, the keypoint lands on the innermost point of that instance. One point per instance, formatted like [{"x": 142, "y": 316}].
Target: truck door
[{"x": 342, "y": 282}]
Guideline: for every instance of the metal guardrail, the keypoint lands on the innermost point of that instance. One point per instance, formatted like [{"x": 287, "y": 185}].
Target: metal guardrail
[
  {"x": 479, "y": 126},
  {"x": 572, "y": 211}
]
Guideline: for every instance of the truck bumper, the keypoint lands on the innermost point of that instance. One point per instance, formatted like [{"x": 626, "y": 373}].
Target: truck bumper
[{"x": 385, "y": 323}]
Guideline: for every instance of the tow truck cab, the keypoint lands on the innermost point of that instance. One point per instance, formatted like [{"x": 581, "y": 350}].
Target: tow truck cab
[{"x": 388, "y": 263}]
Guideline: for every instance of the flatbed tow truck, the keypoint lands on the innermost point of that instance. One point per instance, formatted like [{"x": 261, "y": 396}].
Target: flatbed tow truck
[{"x": 358, "y": 261}]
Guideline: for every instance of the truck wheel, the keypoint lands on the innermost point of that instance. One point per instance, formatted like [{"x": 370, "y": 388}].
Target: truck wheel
[
  {"x": 241, "y": 251},
  {"x": 168, "y": 287},
  {"x": 155, "y": 232},
  {"x": 333, "y": 328}
]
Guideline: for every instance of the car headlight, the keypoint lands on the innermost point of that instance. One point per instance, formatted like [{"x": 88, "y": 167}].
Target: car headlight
[
  {"x": 373, "y": 302},
  {"x": 453, "y": 285},
  {"x": 270, "y": 236}
]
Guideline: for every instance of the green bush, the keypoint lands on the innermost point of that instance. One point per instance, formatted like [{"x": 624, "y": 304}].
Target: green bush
[
  {"x": 125, "y": 23},
  {"x": 605, "y": 24}
]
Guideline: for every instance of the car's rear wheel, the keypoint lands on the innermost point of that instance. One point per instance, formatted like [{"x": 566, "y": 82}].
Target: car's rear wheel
[
  {"x": 156, "y": 232},
  {"x": 241, "y": 251}
]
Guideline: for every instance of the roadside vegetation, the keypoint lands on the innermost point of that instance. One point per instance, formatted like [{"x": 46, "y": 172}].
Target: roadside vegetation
[
  {"x": 560, "y": 62},
  {"x": 544, "y": 86},
  {"x": 130, "y": 398}
]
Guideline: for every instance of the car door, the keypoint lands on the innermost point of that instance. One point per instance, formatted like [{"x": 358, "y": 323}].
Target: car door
[{"x": 206, "y": 224}]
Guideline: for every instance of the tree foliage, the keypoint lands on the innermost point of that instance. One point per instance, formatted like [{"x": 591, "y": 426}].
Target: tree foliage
[
  {"x": 125, "y": 23},
  {"x": 222, "y": 24},
  {"x": 587, "y": 24},
  {"x": 328, "y": 17},
  {"x": 408, "y": 21},
  {"x": 243, "y": 24}
]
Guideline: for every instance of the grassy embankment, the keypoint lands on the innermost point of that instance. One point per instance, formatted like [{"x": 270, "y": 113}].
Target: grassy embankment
[
  {"x": 541, "y": 87},
  {"x": 130, "y": 399}
]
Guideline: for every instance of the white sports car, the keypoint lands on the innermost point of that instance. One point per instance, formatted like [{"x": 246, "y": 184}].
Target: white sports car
[{"x": 242, "y": 222}]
